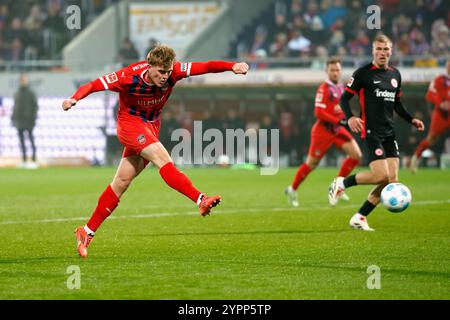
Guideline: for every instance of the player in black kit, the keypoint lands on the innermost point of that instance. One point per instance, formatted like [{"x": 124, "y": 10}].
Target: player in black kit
[{"x": 379, "y": 88}]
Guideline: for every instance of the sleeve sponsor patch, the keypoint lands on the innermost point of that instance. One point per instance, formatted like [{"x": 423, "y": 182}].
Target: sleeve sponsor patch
[
  {"x": 111, "y": 78},
  {"x": 184, "y": 67},
  {"x": 319, "y": 97},
  {"x": 350, "y": 82}
]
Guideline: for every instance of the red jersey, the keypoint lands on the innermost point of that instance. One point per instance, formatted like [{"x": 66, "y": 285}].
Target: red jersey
[
  {"x": 141, "y": 99},
  {"x": 438, "y": 92},
  {"x": 327, "y": 109}
]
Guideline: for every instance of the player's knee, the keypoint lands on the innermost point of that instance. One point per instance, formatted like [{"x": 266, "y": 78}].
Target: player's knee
[
  {"x": 312, "y": 164},
  {"x": 357, "y": 156},
  {"x": 121, "y": 184},
  {"x": 381, "y": 178}
]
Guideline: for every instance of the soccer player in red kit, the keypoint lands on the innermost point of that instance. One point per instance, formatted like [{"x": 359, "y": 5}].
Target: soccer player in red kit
[
  {"x": 144, "y": 88},
  {"x": 439, "y": 95},
  {"x": 327, "y": 131}
]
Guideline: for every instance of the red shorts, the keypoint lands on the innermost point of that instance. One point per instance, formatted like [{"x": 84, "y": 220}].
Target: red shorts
[
  {"x": 135, "y": 134},
  {"x": 322, "y": 139},
  {"x": 439, "y": 123}
]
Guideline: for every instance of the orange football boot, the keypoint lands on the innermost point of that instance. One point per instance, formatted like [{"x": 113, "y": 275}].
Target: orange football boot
[
  {"x": 83, "y": 240},
  {"x": 207, "y": 203}
]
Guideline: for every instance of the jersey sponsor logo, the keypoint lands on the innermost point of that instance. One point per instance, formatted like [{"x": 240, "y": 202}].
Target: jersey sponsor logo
[
  {"x": 387, "y": 95},
  {"x": 379, "y": 152},
  {"x": 141, "y": 139},
  {"x": 350, "y": 82},
  {"x": 394, "y": 83},
  {"x": 139, "y": 66},
  {"x": 111, "y": 78}
]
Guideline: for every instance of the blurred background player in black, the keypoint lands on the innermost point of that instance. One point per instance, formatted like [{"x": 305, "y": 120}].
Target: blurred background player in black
[{"x": 24, "y": 119}]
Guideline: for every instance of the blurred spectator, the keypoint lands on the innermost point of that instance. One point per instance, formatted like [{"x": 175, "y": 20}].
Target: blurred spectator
[
  {"x": 354, "y": 14},
  {"x": 280, "y": 24},
  {"x": 298, "y": 44},
  {"x": 333, "y": 12},
  {"x": 14, "y": 41},
  {"x": 33, "y": 24},
  {"x": 24, "y": 118},
  {"x": 152, "y": 42},
  {"x": 440, "y": 44},
  {"x": 319, "y": 62},
  {"x": 259, "y": 42},
  {"x": 402, "y": 48},
  {"x": 337, "y": 40},
  {"x": 54, "y": 30},
  {"x": 418, "y": 43},
  {"x": 360, "y": 44},
  {"x": 278, "y": 48},
  {"x": 127, "y": 52}
]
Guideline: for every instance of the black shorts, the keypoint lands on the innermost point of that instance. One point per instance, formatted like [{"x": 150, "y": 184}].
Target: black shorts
[{"x": 381, "y": 148}]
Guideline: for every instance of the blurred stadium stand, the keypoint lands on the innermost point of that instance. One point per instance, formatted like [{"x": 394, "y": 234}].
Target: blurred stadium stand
[{"x": 285, "y": 41}]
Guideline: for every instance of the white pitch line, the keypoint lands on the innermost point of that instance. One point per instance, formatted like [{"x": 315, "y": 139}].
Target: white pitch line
[{"x": 231, "y": 211}]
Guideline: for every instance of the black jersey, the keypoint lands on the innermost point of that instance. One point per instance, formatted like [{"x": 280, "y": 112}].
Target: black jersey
[{"x": 377, "y": 89}]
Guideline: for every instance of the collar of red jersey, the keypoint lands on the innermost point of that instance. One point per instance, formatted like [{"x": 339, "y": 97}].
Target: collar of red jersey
[
  {"x": 331, "y": 82},
  {"x": 143, "y": 78}
]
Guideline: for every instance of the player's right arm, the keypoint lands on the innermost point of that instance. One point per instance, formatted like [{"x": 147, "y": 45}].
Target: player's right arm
[
  {"x": 109, "y": 82},
  {"x": 432, "y": 92},
  {"x": 355, "y": 83},
  {"x": 436, "y": 93}
]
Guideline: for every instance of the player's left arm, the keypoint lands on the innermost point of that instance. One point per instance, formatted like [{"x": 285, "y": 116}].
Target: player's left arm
[
  {"x": 403, "y": 112},
  {"x": 213, "y": 66}
]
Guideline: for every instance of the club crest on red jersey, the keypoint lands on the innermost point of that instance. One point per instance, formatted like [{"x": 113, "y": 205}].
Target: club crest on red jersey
[{"x": 141, "y": 139}]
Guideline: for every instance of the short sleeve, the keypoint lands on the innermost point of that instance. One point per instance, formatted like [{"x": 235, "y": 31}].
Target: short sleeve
[
  {"x": 356, "y": 82},
  {"x": 114, "y": 81}
]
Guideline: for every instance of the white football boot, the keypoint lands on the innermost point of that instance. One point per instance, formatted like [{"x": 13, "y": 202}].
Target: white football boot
[
  {"x": 292, "y": 196},
  {"x": 336, "y": 190},
  {"x": 358, "y": 221}
]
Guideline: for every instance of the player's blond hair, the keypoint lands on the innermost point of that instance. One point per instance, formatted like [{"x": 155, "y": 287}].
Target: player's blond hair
[
  {"x": 161, "y": 55},
  {"x": 382, "y": 38}
]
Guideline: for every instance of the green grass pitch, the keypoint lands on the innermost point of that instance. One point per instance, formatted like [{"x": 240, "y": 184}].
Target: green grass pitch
[{"x": 253, "y": 246}]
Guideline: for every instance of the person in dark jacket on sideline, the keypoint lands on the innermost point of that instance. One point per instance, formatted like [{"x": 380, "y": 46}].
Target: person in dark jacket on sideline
[{"x": 24, "y": 119}]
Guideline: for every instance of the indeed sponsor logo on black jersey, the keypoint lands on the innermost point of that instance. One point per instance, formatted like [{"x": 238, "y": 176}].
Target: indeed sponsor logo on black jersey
[{"x": 387, "y": 95}]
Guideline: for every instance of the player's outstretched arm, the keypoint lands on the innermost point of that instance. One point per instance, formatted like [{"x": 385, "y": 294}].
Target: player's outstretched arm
[
  {"x": 215, "y": 66},
  {"x": 82, "y": 92},
  {"x": 68, "y": 103}
]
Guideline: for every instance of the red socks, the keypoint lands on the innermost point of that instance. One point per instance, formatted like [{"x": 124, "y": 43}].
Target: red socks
[
  {"x": 301, "y": 174},
  {"x": 347, "y": 166},
  {"x": 424, "y": 144},
  {"x": 178, "y": 181},
  {"x": 107, "y": 202}
]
